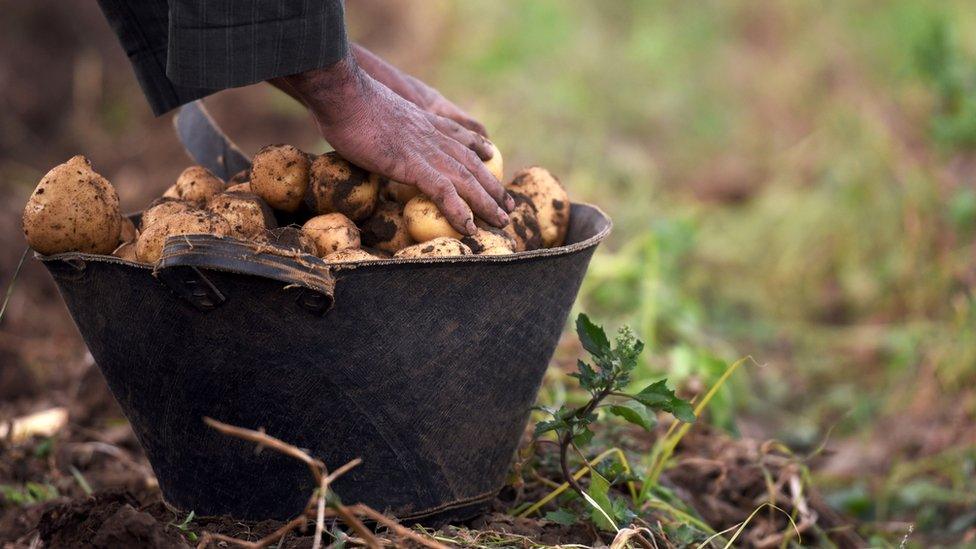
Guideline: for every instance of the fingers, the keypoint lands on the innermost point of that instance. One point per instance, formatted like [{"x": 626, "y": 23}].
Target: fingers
[
  {"x": 449, "y": 110},
  {"x": 477, "y": 168},
  {"x": 471, "y": 190},
  {"x": 462, "y": 135},
  {"x": 441, "y": 190}
]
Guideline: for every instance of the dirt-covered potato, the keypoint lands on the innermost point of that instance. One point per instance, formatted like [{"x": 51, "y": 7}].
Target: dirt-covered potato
[
  {"x": 425, "y": 220},
  {"x": 497, "y": 251},
  {"x": 550, "y": 200},
  {"x": 489, "y": 238},
  {"x": 494, "y": 164},
  {"x": 128, "y": 232},
  {"x": 342, "y": 187},
  {"x": 398, "y": 192},
  {"x": 198, "y": 185},
  {"x": 439, "y": 247},
  {"x": 248, "y": 215},
  {"x": 126, "y": 251},
  {"x": 331, "y": 233},
  {"x": 387, "y": 229},
  {"x": 171, "y": 192},
  {"x": 280, "y": 175},
  {"x": 163, "y": 207},
  {"x": 73, "y": 209},
  {"x": 349, "y": 254},
  {"x": 523, "y": 226},
  {"x": 149, "y": 246},
  {"x": 243, "y": 176},
  {"x": 244, "y": 187},
  {"x": 290, "y": 238}
]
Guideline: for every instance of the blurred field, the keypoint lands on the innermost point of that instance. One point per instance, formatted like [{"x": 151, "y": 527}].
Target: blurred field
[{"x": 791, "y": 180}]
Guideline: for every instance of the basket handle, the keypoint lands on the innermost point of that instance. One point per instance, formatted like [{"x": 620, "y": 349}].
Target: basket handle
[{"x": 186, "y": 257}]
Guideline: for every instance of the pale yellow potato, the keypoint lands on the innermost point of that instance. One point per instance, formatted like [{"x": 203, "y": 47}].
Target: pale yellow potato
[
  {"x": 73, "y": 209},
  {"x": 339, "y": 186},
  {"x": 497, "y": 251},
  {"x": 550, "y": 199},
  {"x": 149, "y": 246},
  {"x": 425, "y": 221},
  {"x": 387, "y": 228},
  {"x": 495, "y": 164},
  {"x": 349, "y": 254},
  {"x": 248, "y": 215},
  {"x": 489, "y": 238},
  {"x": 163, "y": 207},
  {"x": 280, "y": 176},
  {"x": 523, "y": 226},
  {"x": 438, "y": 247},
  {"x": 290, "y": 238},
  {"x": 126, "y": 251},
  {"x": 244, "y": 187},
  {"x": 398, "y": 192},
  {"x": 128, "y": 232},
  {"x": 332, "y": 232},
  {"x": 198, "y": 185}
]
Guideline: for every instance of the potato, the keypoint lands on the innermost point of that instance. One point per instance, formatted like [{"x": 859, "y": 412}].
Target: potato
[
  {"x": 331, "y": 233},
  {"x": 290, "y": 238},
  {"x": 171, "y": 192},
  {"x": 73, "y": 209},
  {"x": 387, "y": 229},
  {"x": 198, "y": 185},
  {"x": 489, "y": 238},
  {"x": 550, "y": 200},
  {"x": 248, "y": 215},
  {"x": 398, "y": 192},
  {"x": 523, "y": 226},
  {"x": 349, "y": 254},
  {"x": 338, "y": 186},
  {"x": 126, "y": 251},
  {"x": 162, "y": 207},
  {"x": 280, "y": 175},
  {"x": 495, "y": 165},
  {"x": 243, "y": 176},
  {"x": 425, "y": 221},
  {"x": 497, "y": 251},
  {"x": 149, "y": 247},
  {"x": 439, "y": 247},
  {"x": 244, "y": 187},
  {"x": 128, "y": 232}
]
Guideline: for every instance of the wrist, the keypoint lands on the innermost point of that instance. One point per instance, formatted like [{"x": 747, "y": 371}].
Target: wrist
[{"x": 326, "y": 90}]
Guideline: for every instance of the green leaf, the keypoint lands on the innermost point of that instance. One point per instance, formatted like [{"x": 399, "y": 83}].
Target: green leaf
[
  {"x": 562, "y": 516},
  {"x": 583, "y": 437},
  {"x": 544, "y": 427},
  {"x": 586, "y": 375},
  {"x": 636, "y": 413},
  {"x": 593, "y": 338},
  {"x": 657, "y": 396},
  {"x": 599, "y": 491}
]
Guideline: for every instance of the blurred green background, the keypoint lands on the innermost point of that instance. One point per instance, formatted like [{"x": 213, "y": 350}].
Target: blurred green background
[{"x": 792, "y": 180}]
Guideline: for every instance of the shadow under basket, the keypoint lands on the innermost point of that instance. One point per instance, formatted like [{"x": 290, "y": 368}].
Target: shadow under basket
[{"x": 424, "y": 368}]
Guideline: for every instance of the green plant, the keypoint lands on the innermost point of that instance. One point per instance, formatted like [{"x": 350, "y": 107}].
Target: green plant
[
  {"x": 606, "y": 380},
  {"x": 184, "y": 526},
  {"x": 28, "y": 494}
]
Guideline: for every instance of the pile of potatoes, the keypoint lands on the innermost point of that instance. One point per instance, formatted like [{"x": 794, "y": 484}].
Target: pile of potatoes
[{"x": 335, "y": 210}]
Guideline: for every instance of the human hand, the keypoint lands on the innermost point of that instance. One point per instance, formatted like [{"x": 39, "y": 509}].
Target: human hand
[
  {"x": 380, "y": 131},
  {"x": 414, "y": 90}
]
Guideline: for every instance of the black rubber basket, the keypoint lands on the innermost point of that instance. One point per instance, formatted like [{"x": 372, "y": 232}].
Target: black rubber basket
[{"x": 424, "y": 368}]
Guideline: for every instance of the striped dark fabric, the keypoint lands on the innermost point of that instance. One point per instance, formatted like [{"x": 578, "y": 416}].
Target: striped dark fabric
[{"x": 183, "y": 50}]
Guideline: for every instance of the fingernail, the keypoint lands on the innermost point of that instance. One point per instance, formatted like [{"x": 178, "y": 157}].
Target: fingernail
[
  {"x": 502, "y": 216},
  {"x": 469, "y": 226},
  {"x": 509, "y": 202}
]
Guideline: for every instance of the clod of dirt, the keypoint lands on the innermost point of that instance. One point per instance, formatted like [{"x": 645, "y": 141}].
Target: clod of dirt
[{"x": 106, "y": 520}]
